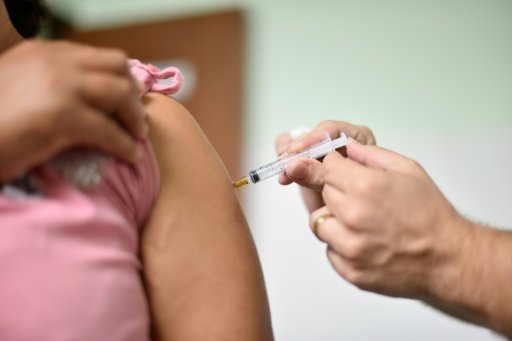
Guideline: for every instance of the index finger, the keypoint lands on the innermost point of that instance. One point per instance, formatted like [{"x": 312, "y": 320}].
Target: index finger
[
  {"x": 285, "y": 139},
  {"x": 282, "y": 143},
  {"x": 333, "y": 129},
  {"x": 343, "y": 173},
  {"x": 93, "y": 58},
  {"x": 105, "y": 59},
  {"x": 360, "y": 133},
  {"x": 118, "y": 97}
]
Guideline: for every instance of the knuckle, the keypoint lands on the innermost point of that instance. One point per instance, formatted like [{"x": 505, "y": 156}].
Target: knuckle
[
  {"x": 326, "y": 123},
  {"x": 330, "y": 126},
  {"x": 125, "y": 88},
  {"x": 359, "y": 135},
  {"x": 62, "y": 43},
  {"x": 119, "y": 55},
  {"x": 353, "y": 276},
  {"x": 364, "y": 135},
  {"x": 88, "y": 53},
  {"x": 329, "y": 194},
  {"x": 354, "y": 250},
  {"x": 414, "y": 165},
  {"x": 64, "y": 46},
  {"x": 369, "y": 138},
  {"x": 121, "y": 94},
  {"x": 119, "y": 58},
  {"x": 354, "y": 215},
  {"x": 365, "y": 186},
  {"x": 33, "y": 46},
  {"x": 330, "y": 163},
  {"x": 60, "y": 107},
  {"x": 45, "y": 56}
]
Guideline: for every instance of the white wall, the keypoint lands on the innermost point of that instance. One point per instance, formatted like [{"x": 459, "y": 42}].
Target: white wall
[
  {"x": 93, "y": 14},
  {"x": 434, "y": 81}
]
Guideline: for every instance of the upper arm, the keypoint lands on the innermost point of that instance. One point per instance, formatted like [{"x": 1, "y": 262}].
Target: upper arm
[{"x": 201, "y": 268}]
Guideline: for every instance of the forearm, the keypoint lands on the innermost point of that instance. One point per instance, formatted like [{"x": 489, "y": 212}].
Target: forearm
[{"x": 476, "y": 285}]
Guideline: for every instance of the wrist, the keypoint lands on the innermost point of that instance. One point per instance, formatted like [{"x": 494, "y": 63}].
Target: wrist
[
  {"x": 469, "y": 284},
  {"x": 451, "y": 259}
]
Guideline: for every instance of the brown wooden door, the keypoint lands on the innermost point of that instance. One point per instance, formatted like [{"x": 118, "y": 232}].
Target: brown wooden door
[{"x": 213, "y": 46}]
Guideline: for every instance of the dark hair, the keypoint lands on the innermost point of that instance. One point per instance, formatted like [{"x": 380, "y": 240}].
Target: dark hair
[{"x": 27, "y": 16}]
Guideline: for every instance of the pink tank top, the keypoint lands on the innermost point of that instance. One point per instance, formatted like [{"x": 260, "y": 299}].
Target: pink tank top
[{"x": 69, "y": 266}]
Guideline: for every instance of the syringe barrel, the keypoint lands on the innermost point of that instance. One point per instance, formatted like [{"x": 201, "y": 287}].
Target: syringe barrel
[
  {"x": 269, "y": 170},
  {"x": 279, "y": 166}
]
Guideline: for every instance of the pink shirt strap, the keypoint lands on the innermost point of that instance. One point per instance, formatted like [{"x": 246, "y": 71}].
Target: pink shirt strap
[{"x": 148, "y": 75}]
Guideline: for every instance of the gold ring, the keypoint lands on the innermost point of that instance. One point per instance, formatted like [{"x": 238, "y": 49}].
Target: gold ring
[{"x": 320, "y": 220}]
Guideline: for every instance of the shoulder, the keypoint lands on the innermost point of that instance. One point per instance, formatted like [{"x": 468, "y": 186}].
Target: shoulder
[
  {"x": 179, "y": 143},
  {"x": 166, "y": 111},
  {"x": 171, "y": 124}
]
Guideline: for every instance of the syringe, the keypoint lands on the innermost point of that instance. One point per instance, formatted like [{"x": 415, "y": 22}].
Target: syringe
[{"x": 314, "y": 152}]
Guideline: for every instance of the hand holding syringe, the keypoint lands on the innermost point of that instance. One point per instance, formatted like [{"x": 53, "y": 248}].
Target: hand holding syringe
[{"x": 314, "y": 152}]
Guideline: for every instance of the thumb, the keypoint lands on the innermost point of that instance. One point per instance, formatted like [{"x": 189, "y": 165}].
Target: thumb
[
  {"x": 307, "y": 172},
  {"x": 380, "y": 158}
]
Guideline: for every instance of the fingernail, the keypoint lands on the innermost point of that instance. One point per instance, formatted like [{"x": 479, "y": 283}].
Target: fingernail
[{"x": 283, "y": 155}]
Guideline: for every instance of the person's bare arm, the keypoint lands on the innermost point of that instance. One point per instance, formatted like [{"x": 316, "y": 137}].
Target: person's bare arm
[
  {"x": 390, "y": 230},
  {"x": 201, "y": 269},
  {"x": 477, "y": 286}
]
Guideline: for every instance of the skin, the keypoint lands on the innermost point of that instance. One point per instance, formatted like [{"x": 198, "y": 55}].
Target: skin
[
  {"x": 201, "y": 269},
  {"x": 75, "y": 96},
  {"x": 393, "y": 232},
  {"x": 200, "y": 264},
  {"x": 286, "y": 145}
]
